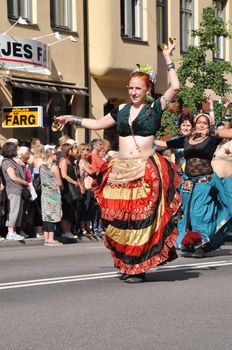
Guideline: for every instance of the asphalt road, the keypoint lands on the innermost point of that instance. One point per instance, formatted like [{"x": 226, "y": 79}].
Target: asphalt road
[{"x": 71, "y": 297}]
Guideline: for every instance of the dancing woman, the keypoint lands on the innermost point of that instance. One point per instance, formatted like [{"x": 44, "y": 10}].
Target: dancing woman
[
  {"x": 137, "y": 191},
  {"x": 206, "y": 204}
]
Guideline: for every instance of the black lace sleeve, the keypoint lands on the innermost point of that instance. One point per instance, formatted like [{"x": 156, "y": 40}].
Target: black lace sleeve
[{"x": 176, "y": 142}]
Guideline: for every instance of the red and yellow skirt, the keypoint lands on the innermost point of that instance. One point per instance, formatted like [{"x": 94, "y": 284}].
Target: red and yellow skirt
[{"x": 138, "y": 200}]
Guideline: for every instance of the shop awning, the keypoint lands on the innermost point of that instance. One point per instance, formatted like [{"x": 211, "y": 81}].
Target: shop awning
[{"x": 42, "y": 86}]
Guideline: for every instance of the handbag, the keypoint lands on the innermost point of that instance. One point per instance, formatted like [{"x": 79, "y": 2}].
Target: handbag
[
  {"x": 3, "y": 196},
  {"x": 74, "y": 192},
  {"x": 26, "y": 194},
  {"x": 37, "y": 183}
]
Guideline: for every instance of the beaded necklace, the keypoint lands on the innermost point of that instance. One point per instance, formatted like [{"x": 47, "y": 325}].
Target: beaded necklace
[{"x": 133, "y": 135}]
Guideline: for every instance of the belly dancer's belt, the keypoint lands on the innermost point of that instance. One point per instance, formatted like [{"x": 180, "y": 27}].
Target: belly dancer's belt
[
  {"x": 124, "y": 170},
  {"x": 189, "y": 184}
]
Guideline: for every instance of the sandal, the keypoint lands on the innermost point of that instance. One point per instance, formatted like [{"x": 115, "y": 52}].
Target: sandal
[
  {"x": 53, "y": 243},
  {"x": 87, "y": 235}
]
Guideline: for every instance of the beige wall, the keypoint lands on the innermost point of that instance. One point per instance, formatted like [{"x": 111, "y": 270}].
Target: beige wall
[
  {"x": 67, "y": 58},
  {"x": 112, "y": 58}
]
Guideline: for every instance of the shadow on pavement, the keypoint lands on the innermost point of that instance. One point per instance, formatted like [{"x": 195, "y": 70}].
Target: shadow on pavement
[{"x": 172, "y": 276}]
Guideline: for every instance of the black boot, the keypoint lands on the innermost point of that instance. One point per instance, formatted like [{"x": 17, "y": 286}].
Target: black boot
[
  {"x": 199, "y": 253},
  {"x": 139, "y": 278}
]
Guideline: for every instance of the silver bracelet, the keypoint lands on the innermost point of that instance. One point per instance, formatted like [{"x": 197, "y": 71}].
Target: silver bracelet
[
  {"x": 214, "y": 132},
  {"x": 227, "y": 117},
  {"x": 76, "y": 120},
  {"x": 171, "y": 66}
]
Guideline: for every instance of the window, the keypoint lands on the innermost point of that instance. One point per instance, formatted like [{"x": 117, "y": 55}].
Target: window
[
  {"x": 161, "y": 18},
  {"x": 186, "y": 24},
  {"x": 219, "y": 40},
  {"x": 132, "y": 19},
  {"x": 61, "y": 14},
  {"x": 20, "y": 8}
]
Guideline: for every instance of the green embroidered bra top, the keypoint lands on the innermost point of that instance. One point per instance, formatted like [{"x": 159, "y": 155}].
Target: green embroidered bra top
[{"x": 145, "y": 124}]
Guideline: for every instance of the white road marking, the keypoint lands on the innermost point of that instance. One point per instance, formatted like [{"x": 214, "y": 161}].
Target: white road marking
[{"x": 96, "y": 276}]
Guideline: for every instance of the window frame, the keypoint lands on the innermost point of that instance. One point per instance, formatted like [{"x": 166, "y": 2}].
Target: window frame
[
  {"x": 55, "y": 15},
  {"x": 14, "y": 10},
  {"x": 132, "y": 19},
  {"x": 186, "y": 24},
  {"x": 162, "y": 23},
  {"x": 219, "y": 40}
]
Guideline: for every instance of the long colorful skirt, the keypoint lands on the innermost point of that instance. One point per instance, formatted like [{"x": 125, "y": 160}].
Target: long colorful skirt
[
  {"x": 207, "y": 208},
  {"x": 139, "y": 201}
]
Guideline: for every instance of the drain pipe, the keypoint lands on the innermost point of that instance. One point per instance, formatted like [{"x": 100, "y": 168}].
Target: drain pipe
[{"x": 86, "y": 63}]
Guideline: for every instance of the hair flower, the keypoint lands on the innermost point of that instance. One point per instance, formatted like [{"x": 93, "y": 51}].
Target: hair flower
[{"x": 147, "y": 70}]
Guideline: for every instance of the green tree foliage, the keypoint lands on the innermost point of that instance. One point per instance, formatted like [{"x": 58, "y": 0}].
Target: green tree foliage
[
  {"x": 168, "y": 125},
  {"x": 198, "y": 71}
]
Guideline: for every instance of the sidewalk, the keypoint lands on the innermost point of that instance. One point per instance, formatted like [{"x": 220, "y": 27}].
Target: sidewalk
[{"x": 40, "y": 241}]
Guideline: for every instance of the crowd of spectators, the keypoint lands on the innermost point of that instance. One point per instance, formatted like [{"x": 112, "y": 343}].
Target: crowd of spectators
[{"x": 45, "y": 190}]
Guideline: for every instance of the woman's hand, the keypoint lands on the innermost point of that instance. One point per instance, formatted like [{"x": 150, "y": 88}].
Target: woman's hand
[
  {"x": 62, "y": 120},
  {"x": 209, "y": 99},
  {"x": 226, "y": 104},
  {"x": 198, "y": 134},
  {"x": 82, "y": 186},
  {"x": 167, "y": 51}
]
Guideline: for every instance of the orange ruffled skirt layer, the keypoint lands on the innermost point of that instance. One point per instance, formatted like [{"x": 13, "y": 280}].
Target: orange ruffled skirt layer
[{"x": 139, "y": 200}]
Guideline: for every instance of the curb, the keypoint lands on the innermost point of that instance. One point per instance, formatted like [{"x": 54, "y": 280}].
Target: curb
[
  {"x": 25, "y": 242},
  {"x": 40, "y": 241}
]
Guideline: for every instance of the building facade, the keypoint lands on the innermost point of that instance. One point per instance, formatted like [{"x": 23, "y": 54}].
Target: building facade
[
  {"x": 88, "y": 75},
  {"x": 42, "y": 62},
  {"x": 124, "y": 33}
]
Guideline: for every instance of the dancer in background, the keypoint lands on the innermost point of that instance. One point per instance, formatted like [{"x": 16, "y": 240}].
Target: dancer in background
[{"x": 206, "y": 206}]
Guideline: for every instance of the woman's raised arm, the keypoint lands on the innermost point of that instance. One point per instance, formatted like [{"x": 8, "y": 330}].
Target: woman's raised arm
[{"x": 171, "y": 92}]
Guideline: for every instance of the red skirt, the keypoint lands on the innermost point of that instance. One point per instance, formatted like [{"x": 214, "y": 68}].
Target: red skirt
[{"x": 139, "y": 200}]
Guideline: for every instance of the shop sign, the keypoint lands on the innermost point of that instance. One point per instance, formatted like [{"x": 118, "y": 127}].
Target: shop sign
[
  {"x": 22, "y": 117},
  {"x": 23, "y": 54}
]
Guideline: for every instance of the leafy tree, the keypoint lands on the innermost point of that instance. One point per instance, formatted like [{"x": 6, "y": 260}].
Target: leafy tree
[
  {"x": 198, "y": 71},
  {"x": 168, "y": 124}
]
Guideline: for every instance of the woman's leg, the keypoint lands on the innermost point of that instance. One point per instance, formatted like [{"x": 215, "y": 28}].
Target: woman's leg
[
  {"x": 49, "y": 234},
  {"x": 14, "y": 203}
]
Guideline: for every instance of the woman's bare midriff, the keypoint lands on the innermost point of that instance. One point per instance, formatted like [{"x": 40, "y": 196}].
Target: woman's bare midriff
[
  {"x": 144, "y": 146},
  {"x": 223, "y": 168}
]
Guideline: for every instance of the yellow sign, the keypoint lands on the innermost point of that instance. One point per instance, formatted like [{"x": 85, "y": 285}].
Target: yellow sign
[{"x": 22, "y": 117}]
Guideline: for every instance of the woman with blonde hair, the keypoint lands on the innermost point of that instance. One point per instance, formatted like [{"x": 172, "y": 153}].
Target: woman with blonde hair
[
  {"x": 37, "y": 161},
  {"x": 86, "y": 173},
  {"x": 71, "y": 193},
  {"x": 50, "y": 197}
]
